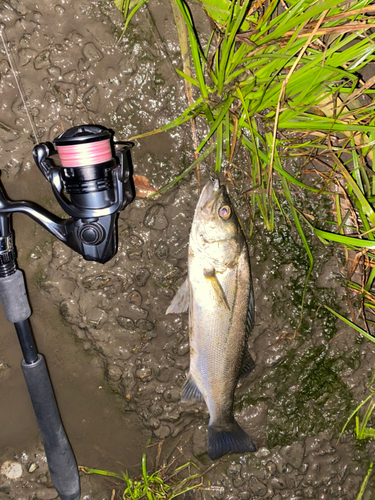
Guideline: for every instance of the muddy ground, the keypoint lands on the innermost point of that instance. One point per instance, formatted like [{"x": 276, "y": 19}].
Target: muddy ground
[{"x": 116, "y": 361}]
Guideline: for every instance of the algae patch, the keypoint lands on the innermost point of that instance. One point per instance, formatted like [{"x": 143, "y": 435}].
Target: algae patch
[{"x": 308, "y": 395}]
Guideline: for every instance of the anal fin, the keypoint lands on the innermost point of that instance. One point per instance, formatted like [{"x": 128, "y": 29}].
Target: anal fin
[{"x": 247, "y": 366}]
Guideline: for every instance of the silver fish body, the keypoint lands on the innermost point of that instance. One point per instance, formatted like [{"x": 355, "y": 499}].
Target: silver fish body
[{"x": 218, "y": 293}]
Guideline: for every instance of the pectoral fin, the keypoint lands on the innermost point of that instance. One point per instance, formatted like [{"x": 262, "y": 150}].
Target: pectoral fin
[
  {"x": 210, "y": 275},
  {"x": 180, "y": 302}
]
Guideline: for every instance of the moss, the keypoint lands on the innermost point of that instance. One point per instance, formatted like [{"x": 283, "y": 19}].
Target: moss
[{"x": 309, "y": 395}]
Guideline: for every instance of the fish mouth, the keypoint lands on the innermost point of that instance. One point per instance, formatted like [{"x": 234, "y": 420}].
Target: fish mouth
[{"x": 209, "y": 194}]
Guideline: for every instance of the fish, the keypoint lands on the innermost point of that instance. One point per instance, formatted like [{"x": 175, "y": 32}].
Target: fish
[{"x": 218, "y": 293}]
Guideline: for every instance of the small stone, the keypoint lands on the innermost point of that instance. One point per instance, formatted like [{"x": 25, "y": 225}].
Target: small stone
[
  {"x": 162, "y": 251},
  {"x": 25, "y": 40},
  {"x": 91, "y": 52},
  {"x": 257, "y": 488},
  {"x": 200, "y": 441},
  {"x": 49, "y": 97},
  {"x": 155, "y": 218},
  {"x": 32, "y": 467},
  {"x": 7, "y": 133},
  {"x": 172, "y": 395},
  {"x": 271, "y": 469},
  {"x": 96, "y": 318},
  {"x": 126, "y": 323},
  {"x": 42, "y": 60},
  {"x": 135, "y": 254},
  {"x": 4, "y": 370},
  {"x": 153, "y": 423},
  {"x": 293, "y": 454},
  {"x": 114, "y": 373},
  {"x": 11, "y": 470},
  {"x": 156, "y": 409},
  {"x": 135, "y": 298},
  {"x": 86, "y": 345},
  {"x": 162, "y": 432},
  {"x": 142, "y": 276},
  {"x": 137, "y": 312},
  {"x": 70, "y": 76},
  {"x": 234, "y": 470},
  {"x": 183, "y": 349},
  {"x": 67, "y": 92},
  {"x": 91, "y": 99},
  {"x": 135, "y": 241},
  {"x": 46, "y": 493},
  {"x": 59, "y": 9},
  {"x": 76, "y": 37},
  {"x": 25, "y": 56},
  {"x": 144, "y": 325},
  {"x": 244, "y": 495},
  {"x": 13, "y": 167},
  {"x": 162, "y": 373},
  {"x": 83, "y": 65},
  {"x": 143, "y": 373},
  {"x": 97, "y": 282}
]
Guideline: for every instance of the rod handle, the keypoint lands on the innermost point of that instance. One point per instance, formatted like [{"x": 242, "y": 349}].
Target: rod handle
[{"x": 61, "y": 461}]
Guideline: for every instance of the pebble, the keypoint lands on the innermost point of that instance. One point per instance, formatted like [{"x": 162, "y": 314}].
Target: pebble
[
  {"x": 144, "y": 325},
  {"x": 42, "y": 60},
  {"x": 135, "y": 241},
  {"x": 256, "y": 486},
  {"x": 91, "y": 52},
  {"x": 162, "y": 251},
  {"x": 11, "y": 470},
  {"x": 8, "y": 133},
  {"x": 66, "y": 92},
  {"x": 45, "y": 493},
  {"x": 32, "y": 467},
  {"x": 114, "y": 373},
  {"x": 142, "y": 276},
  {"x": 162, "y": 432},
  {"x": 126, "y": 323},
  {"x": 135, "y": 254},
  {"x": 91, "y": 99},
  {"x": 83, "y": 65},
  {"x": 135, "y": 297},
  {"x": 26, "y": 55},
  {"x": 155, "y": 218}
]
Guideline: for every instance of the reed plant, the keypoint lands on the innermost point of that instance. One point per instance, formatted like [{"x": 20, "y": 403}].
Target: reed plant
[{"x": 278, "y": 80}]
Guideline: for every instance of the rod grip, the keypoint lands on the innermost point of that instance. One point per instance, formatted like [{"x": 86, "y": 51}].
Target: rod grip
[
  {"x": 61, "y": 461},
  {"x": 14, "y": 298}
]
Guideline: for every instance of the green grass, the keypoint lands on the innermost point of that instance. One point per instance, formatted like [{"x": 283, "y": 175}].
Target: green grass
[
  {"x": 163, "y": 484},
  {"x": 281, "y": 81},
  {"x": 362, "y": 429}
]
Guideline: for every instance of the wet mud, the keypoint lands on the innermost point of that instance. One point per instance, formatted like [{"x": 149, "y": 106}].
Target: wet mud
[{"x": 116, "y": 360}]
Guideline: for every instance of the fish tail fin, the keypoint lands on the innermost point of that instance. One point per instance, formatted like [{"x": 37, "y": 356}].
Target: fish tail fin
[{"x": 230, "y": 438}]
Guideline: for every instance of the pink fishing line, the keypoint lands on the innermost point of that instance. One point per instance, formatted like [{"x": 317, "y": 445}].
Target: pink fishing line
[{"x": 82, "y": 155}]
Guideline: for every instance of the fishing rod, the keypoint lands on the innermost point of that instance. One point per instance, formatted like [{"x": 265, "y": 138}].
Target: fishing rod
[{"x": 92, "y": 181}]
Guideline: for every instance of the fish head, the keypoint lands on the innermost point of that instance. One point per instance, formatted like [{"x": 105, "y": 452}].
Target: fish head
[{"x": 216, "y": 229}]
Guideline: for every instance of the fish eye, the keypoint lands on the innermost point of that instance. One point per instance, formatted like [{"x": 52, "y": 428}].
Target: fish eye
[{"x": 225, "y": 212}]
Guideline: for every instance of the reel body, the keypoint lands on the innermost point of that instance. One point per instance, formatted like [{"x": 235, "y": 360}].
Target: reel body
[{"x": 93, "y": 183}]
